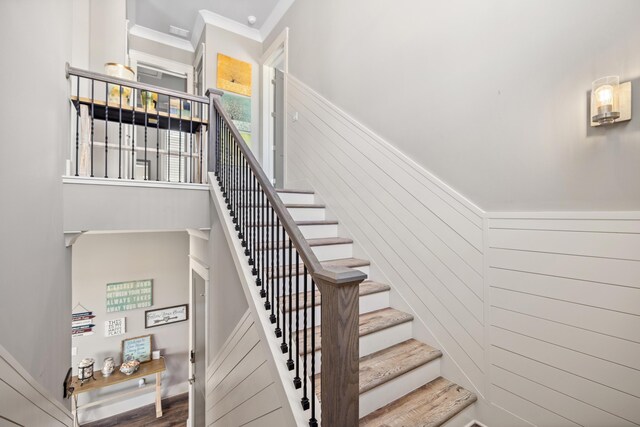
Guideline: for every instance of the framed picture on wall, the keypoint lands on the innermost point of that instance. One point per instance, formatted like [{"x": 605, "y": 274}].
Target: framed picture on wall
[
  {"x": 138, "y": 348},
  {"x": 166, "y": 316}
]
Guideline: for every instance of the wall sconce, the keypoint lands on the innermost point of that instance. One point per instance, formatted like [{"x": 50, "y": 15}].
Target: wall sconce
[{"x": 610, "y": 101}]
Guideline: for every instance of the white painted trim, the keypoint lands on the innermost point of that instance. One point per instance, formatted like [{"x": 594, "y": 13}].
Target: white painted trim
[
  {"x": 136, "y": 56},
  {"x": 475, "y": 423},
  {"x": 274, "y": 17},
  {"x": 201, "y": 269},
  {"x": 70, "y": 237},
  {"x": 230, "y": 25},
  {"x": 200, "y": 234},
  {"x": 162, "y": 38},
  {"x": 283, "y": 378},
  {"x": 85, "y": 180},
  {"x": 29, "y": 388},
  {"x": 619, "y": 215},
  {"x": 280, "y": 46}
]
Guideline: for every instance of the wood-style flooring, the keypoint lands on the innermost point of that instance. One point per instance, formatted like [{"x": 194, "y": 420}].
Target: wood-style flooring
[{"x": 175, "y": 411}]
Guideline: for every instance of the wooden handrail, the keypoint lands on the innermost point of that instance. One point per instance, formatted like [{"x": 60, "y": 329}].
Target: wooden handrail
[
  {"x": 333, "y": 275},
  {"x": 72, "y": 71}
]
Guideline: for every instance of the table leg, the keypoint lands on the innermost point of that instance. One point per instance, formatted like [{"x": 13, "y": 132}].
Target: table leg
[
  {"x": 158, "y": 394},
  {"x": 74, "y": 411}
]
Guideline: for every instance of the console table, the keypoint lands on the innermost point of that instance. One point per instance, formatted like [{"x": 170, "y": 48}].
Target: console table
[{"x": 152, "y": 367}]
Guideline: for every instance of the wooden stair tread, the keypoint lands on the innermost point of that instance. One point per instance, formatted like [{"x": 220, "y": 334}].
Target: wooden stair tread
[
  {"x": 367, "y": 287},
  {"x": 431, "y": 405},
  {"x": 302, "y": 223},
  {"x": 342, "y": 262},
  {"x": 324, "y": 241},
  {"x": 390, "y": 363},
  {"x": 368, "y": 323}
]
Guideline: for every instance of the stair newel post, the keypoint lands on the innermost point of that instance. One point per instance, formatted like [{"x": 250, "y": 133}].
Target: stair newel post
[
  {"x": 340, "y": 346},
  {"x": 213, "y": 136}
]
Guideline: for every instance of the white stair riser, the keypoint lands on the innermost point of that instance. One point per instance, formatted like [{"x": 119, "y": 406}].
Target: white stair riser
[
  {"x": 307, "y": 214},
  {"x": 308, "y": 231},
  {"x": 285, "y": 281},
  {"x": 297, "y": 198},
  {"x": 367, "y": 304},
  {"x": 373, "y": 342},
  {"x": 323, "y": 253},
  {"x": 396, "y": 388}
]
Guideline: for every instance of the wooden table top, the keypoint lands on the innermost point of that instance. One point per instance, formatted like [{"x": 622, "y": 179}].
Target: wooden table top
[{"x": 145, "y": 369}]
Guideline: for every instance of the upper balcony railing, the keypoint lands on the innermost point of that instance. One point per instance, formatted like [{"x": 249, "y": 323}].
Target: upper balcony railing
[{"x": 134, "y": 131}]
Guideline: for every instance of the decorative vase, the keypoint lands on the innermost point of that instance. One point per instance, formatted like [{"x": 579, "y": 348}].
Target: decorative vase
[
  {"x": 85, "y": 370},
  {"x": 108, "y": 366}
]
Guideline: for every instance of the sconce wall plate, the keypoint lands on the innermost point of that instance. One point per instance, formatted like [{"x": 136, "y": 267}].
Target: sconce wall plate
[{"x": 624, "y": 93}]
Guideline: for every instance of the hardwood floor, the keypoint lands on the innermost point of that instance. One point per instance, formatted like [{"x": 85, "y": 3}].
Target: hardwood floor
[{"x": 175, "y": 413}]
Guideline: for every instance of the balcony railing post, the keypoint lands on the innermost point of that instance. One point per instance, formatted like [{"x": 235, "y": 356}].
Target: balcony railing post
[
  {"x": 212, "y": 94},
  {"x": 340, "y": 351}
]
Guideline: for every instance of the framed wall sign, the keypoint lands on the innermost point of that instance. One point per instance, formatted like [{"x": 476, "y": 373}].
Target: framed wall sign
[
  {"x": 166, "y": 316},
  {"x": 138, "y": 348},
  {"x": 114, "y": 327},
  {"x": 124, "y": 296}
]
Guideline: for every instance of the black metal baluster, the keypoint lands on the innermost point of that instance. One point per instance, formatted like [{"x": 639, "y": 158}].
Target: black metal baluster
[
  {"x": 272, "y": 246},
  {"x": 265, "y": 244},
  {"x": 290, "y": 363},
  {"x": 305, "y": 377},
  {"x": 169, "y": 141},
  {"x": 276, "y": 273},
  {"x": 193, "y": 106},
  {"x": 297, "y": 382},
  {"x": 254, "y": 218},
  {"x": 120, "y": 134},
  {"x": 106, "y": 128},
  {"x": 283, "y": 285},
  {"x": 92, "y": 129},
  {"x": 146, "y": 119},
  {"x": 133, "y": 134},
  {"x": 313, "y": 422},
  {"x": 158, "y": 139},
  {"x": 201, "y": 148},
  {"x": 77, "y": 121},
  {"x": 180, "y": 141}
]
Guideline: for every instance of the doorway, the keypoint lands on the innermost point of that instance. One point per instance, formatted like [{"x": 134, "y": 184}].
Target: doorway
[
  {"x": 198, "y": 344},
  {"x": 274, "y": 86}
]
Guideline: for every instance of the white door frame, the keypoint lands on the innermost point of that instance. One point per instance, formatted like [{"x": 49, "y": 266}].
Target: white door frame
[
  {"x": 202, "y": 270},
  {"x": 201, "y": 56},
  {"x": 278, "y": 49}
]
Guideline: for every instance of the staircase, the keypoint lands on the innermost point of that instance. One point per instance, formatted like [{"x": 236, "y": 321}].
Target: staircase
[{"x": 400, "y": 382}]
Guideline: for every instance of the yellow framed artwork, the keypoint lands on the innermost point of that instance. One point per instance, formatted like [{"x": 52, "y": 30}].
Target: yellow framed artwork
[{"x": 234, "y": 75}]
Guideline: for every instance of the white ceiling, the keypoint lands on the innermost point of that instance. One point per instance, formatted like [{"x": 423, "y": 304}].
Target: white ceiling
[{"x": 158, "y": 15}]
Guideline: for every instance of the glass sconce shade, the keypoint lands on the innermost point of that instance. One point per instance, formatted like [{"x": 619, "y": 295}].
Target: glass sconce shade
[{"x": 605, "y": 104}]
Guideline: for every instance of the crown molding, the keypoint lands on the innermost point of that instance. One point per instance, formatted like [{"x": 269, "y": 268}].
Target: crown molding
[
  {"x": 158, "y": 37},
  {"x": 274, "y": 18},
  {"x": 230, "y": 25}
]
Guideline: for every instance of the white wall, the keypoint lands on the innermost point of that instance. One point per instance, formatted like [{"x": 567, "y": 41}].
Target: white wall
[
  {"x": 222, "y": 41},
  {"x": 99, "y": 259},
  {"x": 35, "y": 270},
  {"x": 240, "y": 389},
  {"x": 490, "y": 96},
  {"x": 537, "y": 313}
]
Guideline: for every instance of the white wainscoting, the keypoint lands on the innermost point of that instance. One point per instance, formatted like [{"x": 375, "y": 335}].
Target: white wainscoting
[
  {"x": 538, "y": 312},
  {"x": 421, "y": 237},
  {"x": 23, "y": 402},
  {"x": 240, "y": 390},
  {"x": 565, "y": 317}
]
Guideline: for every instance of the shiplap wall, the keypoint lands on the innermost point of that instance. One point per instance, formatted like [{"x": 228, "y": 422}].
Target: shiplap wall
[
  {"x": 240, "y": 390},
  {"x": 565, "y": 317},
  {"x": 23, "y": 402},
  {"x": 421, "y": 238},
  {"x": 539, "y": 311}
]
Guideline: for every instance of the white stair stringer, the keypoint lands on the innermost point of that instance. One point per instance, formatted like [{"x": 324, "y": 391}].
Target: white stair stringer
[{"x": 276, "y": 360}]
